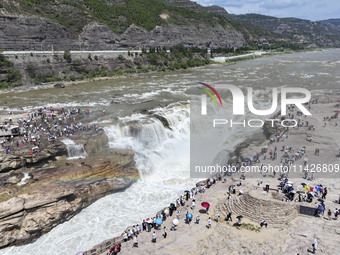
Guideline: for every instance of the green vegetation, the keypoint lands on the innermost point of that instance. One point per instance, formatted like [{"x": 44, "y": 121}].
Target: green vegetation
[
  {"x": 252, "y": 16},
  {"x": 4, "y": 62},
  {"x": 156, "y": 60},
  {"x": 291, "y": 29},
  {"x": 116, "y": 15},
  {"x": 179, "y": 58},
  {"x": 43, "y": 78},
  {"x": 11, "y": 77},
  {"x": 67, "y": 56},
  {"x": 250, "y": 227},
  {"x": 281, "y": 46}
]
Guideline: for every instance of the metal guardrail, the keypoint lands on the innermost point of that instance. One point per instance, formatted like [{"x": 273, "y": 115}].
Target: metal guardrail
[{"x": 106, "y": 245}]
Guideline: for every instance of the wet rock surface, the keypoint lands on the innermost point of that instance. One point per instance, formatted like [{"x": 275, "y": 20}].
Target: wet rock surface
[{"x": 58, "y": 188}]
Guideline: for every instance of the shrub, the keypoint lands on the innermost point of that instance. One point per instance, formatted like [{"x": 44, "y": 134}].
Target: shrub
[
  {"x": 121, "y": 58},
  {"x": 13, "y": 75},
  {"x": 4, "y": 62},
  {"x": 67, "y": 56},
  {"x": 31, "y": 71}
]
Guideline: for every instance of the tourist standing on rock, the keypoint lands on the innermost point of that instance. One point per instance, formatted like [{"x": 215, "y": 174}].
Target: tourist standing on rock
[
  {"x": 135, "y": 241},
  {"x": 154, "y": 237},
  {"x": 144, "y": 225},
  {"x": 218, "y": 217},
  {"x": 336, "y": 213},
  {"x": 264, "y": 223},
  {"x": 125, "y": 236},
  {"x": 315, "y": 245},
  {"x": 197, "y": 219},
  {"x": 209, "y": 223},
  {"x": 229, "y": 217},
  {"x": 165, "y": 233},
  {"x": 177, "y": 214},
  {"x": 117, "y": 246},
  {"x": 329, "y": 213},
  {"x": 193, "y": 204},
  {"x": 324, "y": 193}
]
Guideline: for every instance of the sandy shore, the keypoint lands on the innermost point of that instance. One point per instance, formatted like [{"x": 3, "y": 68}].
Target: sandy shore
[{"x": 294, "y": 236}]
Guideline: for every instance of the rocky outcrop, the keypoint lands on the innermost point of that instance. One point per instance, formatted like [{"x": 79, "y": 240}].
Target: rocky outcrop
[
  {"x": 256, "y": 207},
  {"x": 191, "y": 36},
  {"x": 333, "y": 23},
  {"x": 98, "y": 36},
  {"x": 30, "y": 33},
  {"x": 297, "y": 31},
  {"x": 9, "y": 162},
  {"x": 57, "y": 188},
  {"x": 94, "y": 145},
  {"x": 56, "y": 194},
  {"x": 14, "y": 161}
]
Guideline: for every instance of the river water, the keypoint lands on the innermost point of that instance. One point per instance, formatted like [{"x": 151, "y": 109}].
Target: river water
[{"x": 162, "y": 154}]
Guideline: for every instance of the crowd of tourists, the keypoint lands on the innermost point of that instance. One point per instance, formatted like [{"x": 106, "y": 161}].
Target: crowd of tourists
[{"x": 42, "y": 126}]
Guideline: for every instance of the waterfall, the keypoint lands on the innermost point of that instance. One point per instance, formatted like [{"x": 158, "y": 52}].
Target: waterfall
[
  {"x": 24, "y": 179},
  {"x": 74, "y": 150},
  {"x": 147, "y": 136}
]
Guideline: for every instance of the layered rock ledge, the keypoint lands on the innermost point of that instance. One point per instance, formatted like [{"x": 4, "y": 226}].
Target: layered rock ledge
[{"x": 59, "y": 188}]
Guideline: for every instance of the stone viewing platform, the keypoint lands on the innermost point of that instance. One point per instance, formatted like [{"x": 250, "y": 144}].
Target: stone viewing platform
[{"x": 257, "y": 205}]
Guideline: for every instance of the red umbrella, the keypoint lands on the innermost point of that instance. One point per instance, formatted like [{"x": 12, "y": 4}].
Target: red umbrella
[{"x": 205, "y": 204}]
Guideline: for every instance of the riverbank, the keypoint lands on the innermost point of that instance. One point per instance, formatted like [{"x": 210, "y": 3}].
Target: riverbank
[
  {"x": 291, "y": 235},
  {"x": 40, "y": 68},
  {"x": 63, "y": 83}
]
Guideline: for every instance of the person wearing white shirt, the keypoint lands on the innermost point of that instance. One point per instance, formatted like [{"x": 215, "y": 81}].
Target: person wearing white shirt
[
  {"x": 193, "y": 205},
  {"x": 154, "y": 237},
  {"x": 177, "y": 214},
  {"x": 135, "y": 241},
  {"x": 209, "y": 223},
  {"x": 315, "y": 245},
  {"x": 125, "y": 236}
]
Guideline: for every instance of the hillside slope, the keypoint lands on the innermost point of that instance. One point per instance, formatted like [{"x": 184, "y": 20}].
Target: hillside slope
[
  {"x": 333, "y": 23},
  {"x": 292, "y": 30},
  {"x": 107, "y": 24}
]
